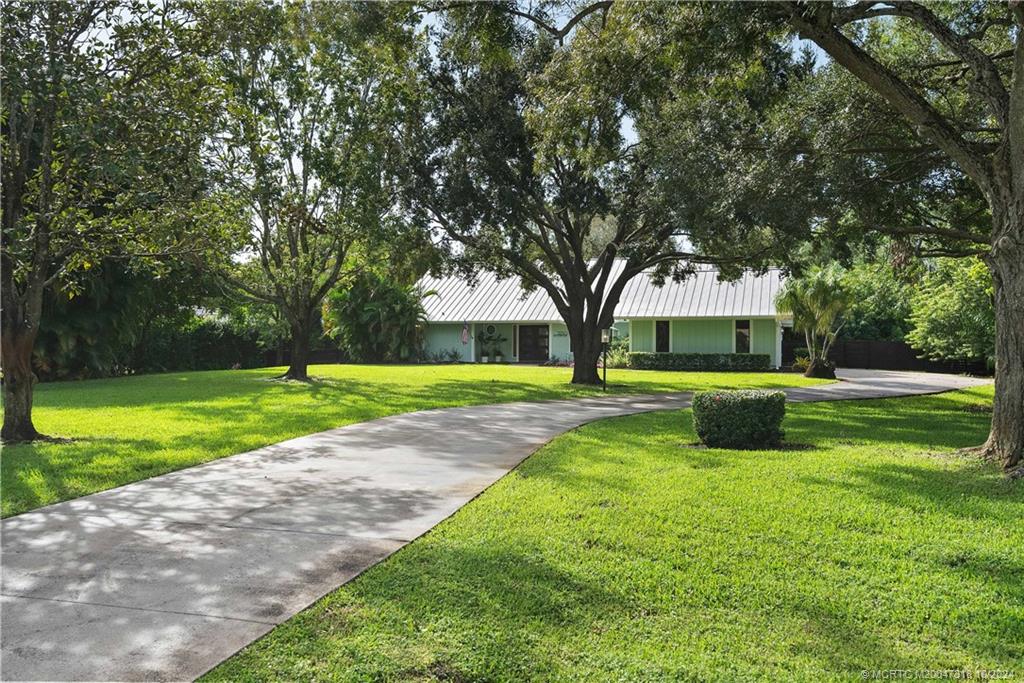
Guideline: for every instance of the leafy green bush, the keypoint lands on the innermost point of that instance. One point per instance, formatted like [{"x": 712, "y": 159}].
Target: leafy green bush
[
  {"x": 953, "y": 316},
  {"x": 879, "y": 306},
  {"x": 801, "y": 363},
  {"x": 452, "y": 355},
  {"x": 375, "y": 319},
  {"x": 618, "y": 353},
  {"x": 739, "y": 419},
  {"x": 748, "y": 362}
]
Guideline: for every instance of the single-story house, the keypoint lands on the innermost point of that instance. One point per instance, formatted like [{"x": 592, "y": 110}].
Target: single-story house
[{"x": 701, "y": 314}]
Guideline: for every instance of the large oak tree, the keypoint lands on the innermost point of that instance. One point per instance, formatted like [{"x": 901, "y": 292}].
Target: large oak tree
[
  {"x": 909, "y": 122},
  {"x": 955, "y": 73},
  {"x": 523, "y": 162}
]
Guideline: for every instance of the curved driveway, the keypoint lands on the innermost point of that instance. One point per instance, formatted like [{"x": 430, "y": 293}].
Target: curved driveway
[{"x": 164, "y": 578}]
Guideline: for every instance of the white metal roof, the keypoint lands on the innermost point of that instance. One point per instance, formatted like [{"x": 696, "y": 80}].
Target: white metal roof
[
  {"x": 490, "y": 300},
  {"x": 700, "y": 295}
]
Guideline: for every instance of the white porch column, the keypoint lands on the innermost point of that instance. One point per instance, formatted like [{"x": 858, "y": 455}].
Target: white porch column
[{"x": 778, "y": 344}]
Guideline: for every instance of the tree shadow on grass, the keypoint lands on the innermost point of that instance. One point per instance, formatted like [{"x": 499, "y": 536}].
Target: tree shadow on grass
[
  {"x": 457, "y": 609},
  {"x": 977, "y": 490},
  {"x": 932, "y": 422},
  {"x": 41, "y": 473}
]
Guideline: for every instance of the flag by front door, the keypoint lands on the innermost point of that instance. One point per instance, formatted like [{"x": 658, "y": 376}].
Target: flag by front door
[{"x": 465, "y": 333}]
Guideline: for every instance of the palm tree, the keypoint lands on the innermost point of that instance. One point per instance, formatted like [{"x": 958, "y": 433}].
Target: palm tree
[{"x": 817, "y": 302}]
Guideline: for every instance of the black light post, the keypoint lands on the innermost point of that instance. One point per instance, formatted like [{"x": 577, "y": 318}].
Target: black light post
[{"x": 606, "y": 336}]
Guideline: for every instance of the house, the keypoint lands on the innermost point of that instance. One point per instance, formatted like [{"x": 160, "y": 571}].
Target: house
[{"x": 701, "y": 314}]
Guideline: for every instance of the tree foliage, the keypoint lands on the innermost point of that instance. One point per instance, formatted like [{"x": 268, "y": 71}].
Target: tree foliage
[
  {"x": 104, "y": 114},
  {"x": 952, "y": 315},
  {"x": 310, "y": 94},
  {"x": 103, "y": 327},
  {"x": 879, "y": 307},
  {"x": 375, "y": 319},
  {"x": 934, "y": 125},
  {"x": 521, "y": 158}
]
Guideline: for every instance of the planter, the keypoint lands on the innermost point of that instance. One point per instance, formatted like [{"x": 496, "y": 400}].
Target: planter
[
  {"x": 499, "y": 359},
  {"x": 485, "y": 359}
]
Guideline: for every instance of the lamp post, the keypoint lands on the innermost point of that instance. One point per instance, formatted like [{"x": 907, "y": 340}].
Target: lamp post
[{"x": 606, "y": 337}]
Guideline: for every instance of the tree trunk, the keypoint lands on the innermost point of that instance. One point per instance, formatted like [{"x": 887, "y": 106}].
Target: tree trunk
[
  {"x": 1006, "y": 439},
  {"x": 586, "y": 354},
  {"x": 822, "y": 369},
  {"x": 19, "y": 381},
  {"x": 297, "y": 368}
]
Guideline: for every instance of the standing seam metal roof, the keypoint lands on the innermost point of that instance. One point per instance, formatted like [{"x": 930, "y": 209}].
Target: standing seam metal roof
[{"x": 701, "y": 295}]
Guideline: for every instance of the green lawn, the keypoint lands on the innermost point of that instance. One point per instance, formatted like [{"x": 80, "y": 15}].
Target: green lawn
[
  {"x": 130, "y": 428},
  {"x": 620, "y": 552}
]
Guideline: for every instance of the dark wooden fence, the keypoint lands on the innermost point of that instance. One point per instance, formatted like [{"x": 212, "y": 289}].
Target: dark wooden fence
[
  {"x": 316, "y": 357},
  {"x": 880, "y": 355}
]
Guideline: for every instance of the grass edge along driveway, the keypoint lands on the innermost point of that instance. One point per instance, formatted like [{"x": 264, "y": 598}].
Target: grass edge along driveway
[
  {"x": 619, "y": 551},
  {"x": 131, "y": 428}
]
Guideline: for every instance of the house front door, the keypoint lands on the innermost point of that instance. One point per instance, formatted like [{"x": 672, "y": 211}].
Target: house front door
[{"x": 533, "y": 342}]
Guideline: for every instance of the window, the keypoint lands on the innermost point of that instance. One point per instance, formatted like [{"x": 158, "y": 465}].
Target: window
[
  {"x": 742, "y": 336},
  {"x": 661, "y": 336}
]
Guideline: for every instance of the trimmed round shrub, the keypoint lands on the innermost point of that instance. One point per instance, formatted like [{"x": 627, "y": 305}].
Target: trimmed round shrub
[{"x": 739, "y": 419}]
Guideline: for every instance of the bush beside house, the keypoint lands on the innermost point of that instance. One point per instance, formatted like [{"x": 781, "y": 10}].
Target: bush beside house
[
  {"x": 715, "y": 362},
  {"x": 739, "y": 419}
]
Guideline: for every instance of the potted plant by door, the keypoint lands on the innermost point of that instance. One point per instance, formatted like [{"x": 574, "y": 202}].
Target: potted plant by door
[
  {"x": 483, "y": 339},
  {"x": 499, "y": 355}
]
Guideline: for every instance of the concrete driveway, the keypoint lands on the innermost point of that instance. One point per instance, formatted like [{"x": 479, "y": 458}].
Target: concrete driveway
[{"x": 165, "y": 578}]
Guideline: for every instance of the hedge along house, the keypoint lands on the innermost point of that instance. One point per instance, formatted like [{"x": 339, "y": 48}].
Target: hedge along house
[{"x": 701, "y": 314}]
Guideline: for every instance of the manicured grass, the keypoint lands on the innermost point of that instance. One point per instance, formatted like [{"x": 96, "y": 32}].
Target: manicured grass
[
  {"x": 130, "y": 428},
  {"x": 619, "y": 552}
]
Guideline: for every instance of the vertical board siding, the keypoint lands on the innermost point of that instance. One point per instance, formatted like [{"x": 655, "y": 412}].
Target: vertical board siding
[
  {"x": 443, "y": 337},
  {"x": 702, "y": 336},
  {"x": 502, "y": 329},
  {"x": 687, "y": 336},
  {"x": 762, "y": 338},
  {"x": 559, "y": 342},
  {"x": 641, "y": 332}
]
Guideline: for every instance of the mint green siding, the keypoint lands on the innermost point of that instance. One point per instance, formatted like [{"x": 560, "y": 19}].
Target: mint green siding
[
  {"x": 763, "y": 339},
  {"x": 707, "y": 336},
  {"x": 702, "y": 336},
  {"x": 443, "y": 337},
  {"x": 641, "y": 335},
  {"x": 559, "y": 342}
]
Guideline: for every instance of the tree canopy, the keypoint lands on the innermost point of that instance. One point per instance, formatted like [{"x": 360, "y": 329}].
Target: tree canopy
[
  {"x": 310, "y": 94},
  {"x": 104, "y": 116},
  {"x": 523, "y": 158},
  {"x": 952, "y": 316}
]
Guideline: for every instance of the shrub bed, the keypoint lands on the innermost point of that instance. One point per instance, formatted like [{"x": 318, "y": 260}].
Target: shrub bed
[
  {"x": 739, "y": 419},
  {"x": 748, "y": 362}
]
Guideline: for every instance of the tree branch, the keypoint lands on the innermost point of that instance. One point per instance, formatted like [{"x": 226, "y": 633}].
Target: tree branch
[{"x": 895, "y": 91}]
